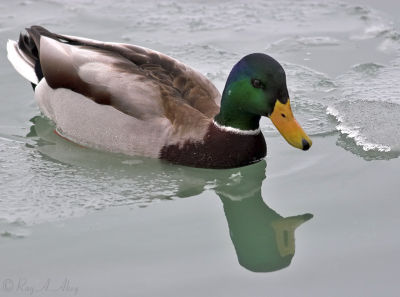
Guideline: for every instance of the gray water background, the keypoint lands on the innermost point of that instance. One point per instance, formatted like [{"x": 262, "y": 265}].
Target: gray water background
[
  {"x": 341, "y": 60},
  {"x": 117, "y": 225}
]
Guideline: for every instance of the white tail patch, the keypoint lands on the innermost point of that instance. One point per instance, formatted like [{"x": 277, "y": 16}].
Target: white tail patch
[{"x": 23, "y": 64}]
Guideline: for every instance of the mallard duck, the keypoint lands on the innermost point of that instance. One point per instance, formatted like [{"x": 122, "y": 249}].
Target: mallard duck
[{"x": 133, "y": 100}]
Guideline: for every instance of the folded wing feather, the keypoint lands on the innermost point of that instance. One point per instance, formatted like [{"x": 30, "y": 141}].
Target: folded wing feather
[{"x": 137, "y": 81}]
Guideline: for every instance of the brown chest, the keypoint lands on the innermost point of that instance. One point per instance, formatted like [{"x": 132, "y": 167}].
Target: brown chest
[{"x": 219, "y": 149}]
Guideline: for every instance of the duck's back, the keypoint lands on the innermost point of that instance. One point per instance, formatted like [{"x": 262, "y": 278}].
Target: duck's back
[{"x": 117, "y": 97}]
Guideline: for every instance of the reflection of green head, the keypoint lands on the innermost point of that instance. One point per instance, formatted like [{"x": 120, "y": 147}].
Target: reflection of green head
[{"x": 264, "y": 240}]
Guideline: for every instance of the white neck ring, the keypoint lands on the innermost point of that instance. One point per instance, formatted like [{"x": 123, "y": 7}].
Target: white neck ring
[{"x": 236, "y": 130}]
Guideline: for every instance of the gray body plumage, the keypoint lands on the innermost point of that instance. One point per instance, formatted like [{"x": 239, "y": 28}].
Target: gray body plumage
[{"x": 119, "y": 97}]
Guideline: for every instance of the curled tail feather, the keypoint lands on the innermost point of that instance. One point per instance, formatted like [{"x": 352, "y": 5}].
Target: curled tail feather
[{"x": 24, "y": 54}]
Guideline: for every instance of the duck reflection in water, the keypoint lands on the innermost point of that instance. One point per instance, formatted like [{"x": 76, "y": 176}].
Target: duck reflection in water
[{"x": 264, "y": 240}]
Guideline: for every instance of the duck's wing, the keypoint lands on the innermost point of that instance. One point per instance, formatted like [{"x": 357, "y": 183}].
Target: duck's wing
[{"x": 137, "y": 81}]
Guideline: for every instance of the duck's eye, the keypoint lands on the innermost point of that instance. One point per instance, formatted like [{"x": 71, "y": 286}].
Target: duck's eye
[{"x": 257, "y": 83}]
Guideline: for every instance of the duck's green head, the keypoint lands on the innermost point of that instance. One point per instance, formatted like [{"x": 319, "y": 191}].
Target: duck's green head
[{"x": 257, "y": 87}]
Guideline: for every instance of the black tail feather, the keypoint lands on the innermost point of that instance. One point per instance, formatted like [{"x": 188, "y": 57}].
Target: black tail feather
[
  {"x": 29, "y": 44},
  {"x": 36, "y": 31}
]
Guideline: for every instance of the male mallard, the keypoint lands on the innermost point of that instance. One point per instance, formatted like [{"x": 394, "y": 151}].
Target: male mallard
[{"x": 133, "y": 100}]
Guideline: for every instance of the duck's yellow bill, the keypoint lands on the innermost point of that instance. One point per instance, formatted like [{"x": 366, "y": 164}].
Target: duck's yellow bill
[{"x": 283, "y": 119}]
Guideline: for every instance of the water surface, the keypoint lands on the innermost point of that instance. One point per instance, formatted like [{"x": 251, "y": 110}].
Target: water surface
[{"x": 75, "y": 221}]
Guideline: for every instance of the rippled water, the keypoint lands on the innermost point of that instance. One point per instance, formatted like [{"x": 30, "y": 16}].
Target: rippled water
[
  {"x": 333, "y": 51},
  {"x": 343, "y": 66},
  {"x": 341, "y": 61}
]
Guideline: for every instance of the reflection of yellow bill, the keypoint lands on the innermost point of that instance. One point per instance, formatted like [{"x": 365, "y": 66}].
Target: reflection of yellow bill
[{"x": 284, "y": 121}]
